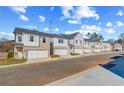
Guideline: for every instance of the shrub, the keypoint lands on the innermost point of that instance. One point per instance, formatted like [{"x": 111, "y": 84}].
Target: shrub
[
  {"x": 54, "y": 56},
  {"x": 10, "y": 55}
]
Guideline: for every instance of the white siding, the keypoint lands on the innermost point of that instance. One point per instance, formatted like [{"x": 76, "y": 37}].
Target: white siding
[
  {"x": 56, "y": 43},
  {"x": 26, "y": 39}
]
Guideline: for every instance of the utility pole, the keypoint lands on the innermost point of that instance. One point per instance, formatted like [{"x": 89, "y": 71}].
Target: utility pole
[{"x": 51, "y": 39}]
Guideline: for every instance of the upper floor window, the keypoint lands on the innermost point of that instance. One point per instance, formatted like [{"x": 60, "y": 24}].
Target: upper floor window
[
  {"x": 60, "y": 40},
  {"x": 31, "y": 38},
  {"x": 76, "y": 41},
  {"x": 19, "y": 38},
  {"x": 44, "y": 39},
  {"x": 80, "y": 41}
]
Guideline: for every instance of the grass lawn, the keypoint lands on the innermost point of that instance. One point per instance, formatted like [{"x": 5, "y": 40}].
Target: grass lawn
[{"x": 12, "y": 61}]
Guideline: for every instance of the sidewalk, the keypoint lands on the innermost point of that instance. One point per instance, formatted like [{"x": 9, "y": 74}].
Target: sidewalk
[{"x": 97, "y": 76}]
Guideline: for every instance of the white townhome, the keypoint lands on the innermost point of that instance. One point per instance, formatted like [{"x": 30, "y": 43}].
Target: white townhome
[
  {"x": 92, "y": 46},
  {"x": 32, "y": 44},
  {"x": 117, "y": 47},
  {"x": 75, "y": 43}
]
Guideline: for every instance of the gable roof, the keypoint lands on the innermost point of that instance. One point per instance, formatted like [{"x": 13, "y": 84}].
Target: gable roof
[
  {"x": 90, "y": 40},
  {"x": 22, "y": 30},
  {"x": 70, "y": 36}
]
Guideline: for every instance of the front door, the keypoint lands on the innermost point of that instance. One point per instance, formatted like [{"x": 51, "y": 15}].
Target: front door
[{"x": 20, "y": 54}]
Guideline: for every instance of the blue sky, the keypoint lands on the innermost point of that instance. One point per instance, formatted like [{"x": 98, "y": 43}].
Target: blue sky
[{"x": 105, "y": 20}]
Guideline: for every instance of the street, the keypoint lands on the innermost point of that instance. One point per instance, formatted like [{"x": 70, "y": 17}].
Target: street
[{"x": 43, "y": 73}]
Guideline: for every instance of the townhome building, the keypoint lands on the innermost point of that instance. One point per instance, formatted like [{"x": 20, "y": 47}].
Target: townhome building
[
  {"x": 34, "y": 44},
  {"x": 117, "y": 47},
  {"x": 75, "y": 43},
  {"x": 92, "y": 46},
  {"x": 106, "y": 47},
  {"x": 31, "y": 44}
]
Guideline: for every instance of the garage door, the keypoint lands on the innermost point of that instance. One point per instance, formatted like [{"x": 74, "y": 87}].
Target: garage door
[
  {"x": 80, "y": 51},
  {"x": 61, "y": 51},
  {"x": 37, "y": 53}
]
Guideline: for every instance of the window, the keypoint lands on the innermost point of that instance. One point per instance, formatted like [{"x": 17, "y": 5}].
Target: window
[
  {"x": 76, "y": 41},
  {"x": 60, "y": 40},
  {"x": 80, "y": 41},
  {"x": 19, "y": 38},
  {"x": 31, "y": 38},
  {"x": 44, "y": 39}
]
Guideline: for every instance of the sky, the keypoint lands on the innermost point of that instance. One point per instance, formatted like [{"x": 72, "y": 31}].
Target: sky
[{"x": 105, "y": 20}]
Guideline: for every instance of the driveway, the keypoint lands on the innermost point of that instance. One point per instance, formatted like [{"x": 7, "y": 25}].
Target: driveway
[{"x": 43, "y": 73}]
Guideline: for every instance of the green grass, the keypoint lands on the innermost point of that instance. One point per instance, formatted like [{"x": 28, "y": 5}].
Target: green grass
[{"x": 12, "y": 61}]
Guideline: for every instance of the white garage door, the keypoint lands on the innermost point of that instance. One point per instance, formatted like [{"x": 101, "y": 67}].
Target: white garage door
[
  {"x": 61, "y": 51},
  {"x": 80, "y": 51},
  {"x": 37, "y": 53}
]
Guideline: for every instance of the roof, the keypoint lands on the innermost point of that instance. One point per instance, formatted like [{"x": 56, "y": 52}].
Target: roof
[
  {"x": 22, "y": 30},
  {"x": 90, "y": 40},
  {"x": 70, "y": 36}
]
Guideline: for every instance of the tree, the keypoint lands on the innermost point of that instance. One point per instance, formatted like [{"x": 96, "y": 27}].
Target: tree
[
  {"x": 121, "y": 39},
  {"x": 3, "y": 39},
  {"x": 96, "y": 37},
  {"x": 101, "y": 38},
  {"x": 121, "y": 36},
  {"x": 88, "y": 35}
]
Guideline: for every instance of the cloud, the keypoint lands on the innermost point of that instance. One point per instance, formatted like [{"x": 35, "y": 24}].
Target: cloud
[
  {"x": 74, "y": 22},
  {"x": 78, "y": 13},
  {"x": 41, "y": 18},
  {"x": 46, "y": 29},
  {"x": 109, "y": 24},
  {"x": 120, "y": 13},
  {"x": 86, "y": 29},
  {"x": 91, "y": 28},
  {"x": 110, "y": 31},
  {"x": 119, "y": 23},
  {"x": 56, "y": 29},
  {"x": 19, "y": 9},
  {"x": 86, "y": 12},
  {"x": 24, "y": 18},
  {"x": 66, "y": 11},
  {"x": 7, "y": 35}
]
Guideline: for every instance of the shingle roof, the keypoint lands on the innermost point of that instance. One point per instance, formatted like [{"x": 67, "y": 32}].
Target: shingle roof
[
  {"x": 20, "y": 30},
  {"x": 70, "y": 36},
  {"x": 90, "y": 40}
]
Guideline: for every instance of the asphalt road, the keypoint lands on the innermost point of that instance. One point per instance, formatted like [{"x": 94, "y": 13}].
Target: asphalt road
[{"x": 43, "y": 73}]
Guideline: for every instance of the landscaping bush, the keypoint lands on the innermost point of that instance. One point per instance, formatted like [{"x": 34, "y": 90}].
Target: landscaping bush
[
  {"x": 54, "y": 56},
  {"x": 10, "y": 55}
]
